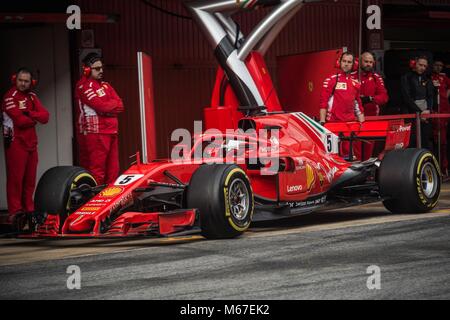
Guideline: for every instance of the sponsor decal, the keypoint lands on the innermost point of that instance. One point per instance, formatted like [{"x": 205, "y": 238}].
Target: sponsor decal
[
  {"x": 96, "y": 202},
  {"x": 89, "y": 209},
  {"x": 331, "y": 174},
  {"x": 93, "y": 204},
  {"x": 310, "y": 177},
  {"x": 83, "y": 213},
  {"x": 356, "y": 83},
  {"x": 122, "y": 202},
  {"x": 111, "y": 192},
  {"x": 404, "y": 128},
  {"x": 341, "y": 86},
  {"x": 23, "y": 104},
  {"x": 321, "y": 179},
  {"x": 101, "y": 93},
  {"x": 274, "y": 140},
  {"x": 308, "y": 203},
  {"x": 294, "y": 189},
  {"x": 299, "y": 164},
  {"x": 327, "y": 169}
]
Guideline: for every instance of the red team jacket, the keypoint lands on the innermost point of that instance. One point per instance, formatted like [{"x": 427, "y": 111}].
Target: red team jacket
[
  {"x": 372, "y": 85},
  {"x": 21, "y": 112},
  {"x": 442, "y": 83},
  {"x": 345, "y": 103},
  {"x": 99, "y": 106}
]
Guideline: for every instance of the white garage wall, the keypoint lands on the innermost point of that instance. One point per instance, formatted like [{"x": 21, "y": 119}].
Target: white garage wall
[{"x": 46, "y": 50}]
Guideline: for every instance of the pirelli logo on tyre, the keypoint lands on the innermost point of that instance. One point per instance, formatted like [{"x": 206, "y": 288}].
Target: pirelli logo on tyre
[
  {"x": 228, "y": 214},
  {"x": 427, "y": 200},
  {"x": 111, "y": 192}
]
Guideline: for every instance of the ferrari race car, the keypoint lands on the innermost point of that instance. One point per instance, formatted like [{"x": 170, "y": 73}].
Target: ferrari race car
[{"x": 259, "y": 163}]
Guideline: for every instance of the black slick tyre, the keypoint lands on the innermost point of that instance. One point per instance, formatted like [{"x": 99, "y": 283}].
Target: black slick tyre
[
  {"x": 53, "y": 193},
  {"x": 224, "y": 198},
  {"x": 410, "y": 181}
]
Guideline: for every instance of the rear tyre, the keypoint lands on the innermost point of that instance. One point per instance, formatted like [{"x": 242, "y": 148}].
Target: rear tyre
[
  {"x": 410, "y": 180},
  {"x": 54, "y": 194},
  {"x": 224, "y": 198}
]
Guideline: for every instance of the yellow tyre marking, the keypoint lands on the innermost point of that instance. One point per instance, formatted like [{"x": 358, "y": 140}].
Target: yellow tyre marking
[
  {"x": 418, "y": 181},
  {"x": 227, "y": 206},
  {"x": 231, "y": 173},
  {"x": 78, "y": 178},
  {"x": 237, "y": 228}
]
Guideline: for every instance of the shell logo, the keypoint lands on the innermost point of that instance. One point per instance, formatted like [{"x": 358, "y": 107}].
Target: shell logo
[
  {"x": 111, "y": 192},
  {"x": 310, "y": 86},
  {"x": 310, "y": 177}
]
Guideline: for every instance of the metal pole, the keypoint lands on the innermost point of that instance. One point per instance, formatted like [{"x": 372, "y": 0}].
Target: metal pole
[
  {"x": 418, "y": 131},
  {"x": 142, "y": 106},
  {"x": 439, "y": 128},
  {"x": 350, "y": 149},
  {"x": 360, "y": 35}
]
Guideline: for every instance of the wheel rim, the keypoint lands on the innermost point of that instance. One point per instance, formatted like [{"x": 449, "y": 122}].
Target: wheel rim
[
  {"x": 239, "y": 199},
  {"x": 429, "y": 180},
  {"x": 77, "y": 199}
]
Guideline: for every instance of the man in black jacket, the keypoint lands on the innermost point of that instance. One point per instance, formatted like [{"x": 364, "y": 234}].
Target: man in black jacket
[{"x": 418, "y": 95}]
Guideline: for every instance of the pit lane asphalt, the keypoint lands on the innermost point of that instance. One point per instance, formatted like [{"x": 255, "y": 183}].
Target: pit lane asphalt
[{"x": 322, "y": 256}]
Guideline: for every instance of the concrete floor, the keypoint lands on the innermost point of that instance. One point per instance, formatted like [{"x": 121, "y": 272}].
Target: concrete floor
[{"x": 320, "y": 256}]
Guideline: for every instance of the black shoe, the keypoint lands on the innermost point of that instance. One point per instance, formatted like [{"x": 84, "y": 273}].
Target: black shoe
[
  {"x": 36, "y": 219},
  {"x": 21, "y": 223},
  {"x": 6, "y": 229},
  {"x": 12, "y": 225}
]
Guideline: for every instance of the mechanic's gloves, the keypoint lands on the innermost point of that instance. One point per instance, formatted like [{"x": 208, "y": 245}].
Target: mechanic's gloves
[
  {"x": 366, "y": 100},
  {"x": 7, "y": 141},
  {"x": 7, "y": 136}
]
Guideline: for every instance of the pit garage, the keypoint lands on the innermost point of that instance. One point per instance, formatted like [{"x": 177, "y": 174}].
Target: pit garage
[{"x": 155, "y": 54}]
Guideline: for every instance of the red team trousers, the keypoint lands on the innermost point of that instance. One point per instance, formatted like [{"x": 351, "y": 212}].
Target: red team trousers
[
  {"x": 21, "y": 165},
  {"x": 99, "y": 154}
]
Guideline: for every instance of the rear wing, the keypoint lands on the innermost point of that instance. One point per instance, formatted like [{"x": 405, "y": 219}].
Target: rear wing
[{"x": 395, "y": 133}]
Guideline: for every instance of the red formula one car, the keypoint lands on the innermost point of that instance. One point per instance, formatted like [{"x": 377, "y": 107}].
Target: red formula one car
[{"x": 283, "y": 164}]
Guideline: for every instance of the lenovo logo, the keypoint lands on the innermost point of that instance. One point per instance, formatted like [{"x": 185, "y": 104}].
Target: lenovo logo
[{"x": 294, "y": 189}]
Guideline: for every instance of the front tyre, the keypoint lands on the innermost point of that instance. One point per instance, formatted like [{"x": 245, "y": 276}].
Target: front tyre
[
  {"x": 410, "y": 180},
  {"x": 59, "y": 190},
  {"x": 224, "y": 198}
]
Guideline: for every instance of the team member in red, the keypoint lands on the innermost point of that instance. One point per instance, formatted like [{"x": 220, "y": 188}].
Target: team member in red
[
  {"x": 442, "y": 84},
  {"x": 99, "y": 106},
  {"x": 340, "y": 99},
  {"x": 373, "y": 93},
  {"x": 22, "y": 110}
]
